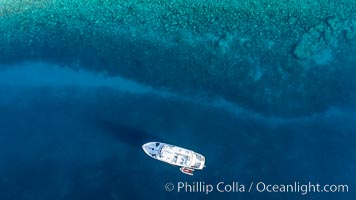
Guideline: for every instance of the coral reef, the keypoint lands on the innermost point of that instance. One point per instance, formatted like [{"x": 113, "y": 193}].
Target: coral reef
[{"x": 274, "y": 57}]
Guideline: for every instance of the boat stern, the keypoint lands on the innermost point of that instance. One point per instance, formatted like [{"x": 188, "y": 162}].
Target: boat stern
[{"x": 198, "y": 161}]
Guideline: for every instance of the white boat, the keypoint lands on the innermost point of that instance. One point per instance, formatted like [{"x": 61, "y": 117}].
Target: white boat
[{"x": 187, "y": 160}]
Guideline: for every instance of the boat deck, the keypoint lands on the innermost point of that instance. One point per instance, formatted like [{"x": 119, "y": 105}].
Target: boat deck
[{"x": 175, "y": 155}]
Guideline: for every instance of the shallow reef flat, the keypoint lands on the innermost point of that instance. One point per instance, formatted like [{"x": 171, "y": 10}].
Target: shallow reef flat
[{"x": 275, "y": 57}]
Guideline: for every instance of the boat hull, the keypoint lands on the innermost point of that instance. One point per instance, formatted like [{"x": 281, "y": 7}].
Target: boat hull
[{"x": 174, "y": 155}]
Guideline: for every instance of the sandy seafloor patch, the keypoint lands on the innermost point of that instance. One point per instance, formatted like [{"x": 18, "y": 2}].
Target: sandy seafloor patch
[{"x": 73, "y": 134}]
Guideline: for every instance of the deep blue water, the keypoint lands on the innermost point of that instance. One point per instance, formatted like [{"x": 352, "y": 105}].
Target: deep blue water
[{"x": 73, "y": 134}]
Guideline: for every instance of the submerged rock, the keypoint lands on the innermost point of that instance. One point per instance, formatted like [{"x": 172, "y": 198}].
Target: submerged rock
[{"x": 319, "y": 42}]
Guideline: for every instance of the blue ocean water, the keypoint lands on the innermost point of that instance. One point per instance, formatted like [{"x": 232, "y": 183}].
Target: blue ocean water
[{"x": 73, "y": 134}]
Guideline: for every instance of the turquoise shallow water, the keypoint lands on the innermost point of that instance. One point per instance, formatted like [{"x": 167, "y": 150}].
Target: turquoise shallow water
[
  {"x": 283, "y": 58},
  {"x": 74, "y": 134}
]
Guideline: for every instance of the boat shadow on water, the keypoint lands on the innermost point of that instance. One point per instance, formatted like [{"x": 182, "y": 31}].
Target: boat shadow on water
[{"x": 126, "y": 134}]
